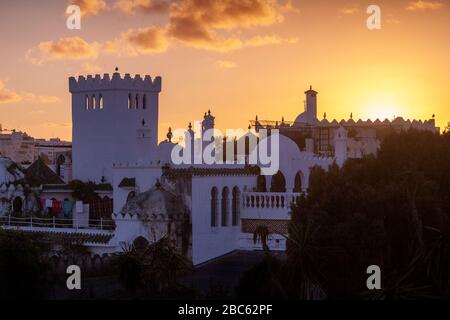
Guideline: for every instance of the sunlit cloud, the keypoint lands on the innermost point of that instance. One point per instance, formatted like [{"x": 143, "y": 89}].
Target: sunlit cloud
[
  {"x": 348, "y": 11},
  {"x": 91, "y": 7},
  {"x": 31, "y": 97},
  {"x": 226, "y": 64},
  {"x": 131, "y": 7},
  {"x": 91, "y": 68},
  {"x": 71, "y": 48},
  {"x": 57, "y": 124},
  {"x": 11, "y": 96},
  {"x": 421, "y": 5},
  {"x": 8, "y": 96}
]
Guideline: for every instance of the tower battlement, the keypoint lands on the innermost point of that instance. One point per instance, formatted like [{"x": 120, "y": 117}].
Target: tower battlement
[{"x": 116, "y": 82}]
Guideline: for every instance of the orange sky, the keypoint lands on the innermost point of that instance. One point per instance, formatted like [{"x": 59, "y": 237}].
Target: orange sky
[{"x": 237, "y": 57}]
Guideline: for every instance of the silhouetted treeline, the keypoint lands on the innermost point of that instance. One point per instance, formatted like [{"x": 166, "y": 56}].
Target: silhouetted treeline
[{"x": 391, "y": 210}]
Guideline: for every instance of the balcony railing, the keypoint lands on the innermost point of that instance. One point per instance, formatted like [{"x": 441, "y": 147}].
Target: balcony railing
[
  {"x": 54, "y": 223},
  {"x": 268, "y": 205},
  {"x": 269, "y": 200}
]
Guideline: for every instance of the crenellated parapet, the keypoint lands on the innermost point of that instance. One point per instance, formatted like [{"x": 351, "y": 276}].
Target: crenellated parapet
[{"x": 116, "y": 82}]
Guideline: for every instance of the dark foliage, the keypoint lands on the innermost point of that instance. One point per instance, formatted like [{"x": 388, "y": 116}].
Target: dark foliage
[{"x": 391, "y": 210}]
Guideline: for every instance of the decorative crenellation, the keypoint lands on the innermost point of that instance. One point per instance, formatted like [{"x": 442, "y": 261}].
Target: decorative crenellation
[
  {"x": 399, "y": 121},
  {"x": 116, "y": 82}
]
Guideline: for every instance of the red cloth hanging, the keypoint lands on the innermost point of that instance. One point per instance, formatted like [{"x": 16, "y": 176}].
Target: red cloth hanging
[{"x": 56, "y": 207}]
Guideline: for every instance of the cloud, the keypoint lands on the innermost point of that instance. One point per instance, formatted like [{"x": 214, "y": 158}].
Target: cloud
[
  {"x": 130, "y": 7},
  {"x": 147, "y": 40},
  {"x": 31, "y": 97},
  {"x": 57, "y": 124},
  {"x": 393, "y": 21},
  {"x": 150, "y": 40},
  {"x": 91, "y": 68},
  {"x": 10, "y": 96},
  {"x": 225, "y": 64},
  {"x": 90, "y": 7},
  {"x": 201, "y": 24},
  {"x": 348, "y": 11},
  {"x": 421, "y": 5},
  {"x": 71, "y": 48}
]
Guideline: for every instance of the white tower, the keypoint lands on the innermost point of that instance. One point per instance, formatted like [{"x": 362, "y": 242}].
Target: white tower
[
  {"x": 340, "y": 145},
  {"x": 113, "y": 121}
]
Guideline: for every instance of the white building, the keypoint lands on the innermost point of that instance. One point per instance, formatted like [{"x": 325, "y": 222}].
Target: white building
[{"x": 207, "y": 210}]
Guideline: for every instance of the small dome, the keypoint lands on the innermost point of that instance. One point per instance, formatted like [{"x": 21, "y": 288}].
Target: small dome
[{"x": 156, "y": 204}]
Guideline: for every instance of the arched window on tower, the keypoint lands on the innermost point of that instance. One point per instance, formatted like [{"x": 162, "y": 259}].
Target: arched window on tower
[
  {"x": 94, "y": 102},
  {"x": 86, "y": 102},
  {"x": 136, "y": 102},
  {"x": 144, "y": 102},
  {"x": 214, "y": 207},
  {"x": 100, "y": 102},
  {"x": 235, "y": 207},
  {"x": 130, "y": 101},
  {"x": 225, "y": 210}
]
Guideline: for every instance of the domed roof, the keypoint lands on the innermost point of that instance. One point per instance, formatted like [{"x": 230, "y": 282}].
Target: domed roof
[
  {"x": 302, "y": 118},
  {"x": 156, "y": 204}
]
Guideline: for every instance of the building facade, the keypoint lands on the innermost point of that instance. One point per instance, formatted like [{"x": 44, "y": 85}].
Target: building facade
[{"x": 207, "y": 210}]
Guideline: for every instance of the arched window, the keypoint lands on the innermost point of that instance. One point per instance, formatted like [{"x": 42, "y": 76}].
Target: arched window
[
  {"x": 136, "y": 102},
  {"x": 261, "y": 184},
  {"x": 214, "y": 207},
  {"x": 59, "y": 162},
  {"x": 130, "y": 101},
  {"x": 235, "y": 207},
  {"x": 225, "y": 207},
  {"x": 86, "y": 102},
  {"x": 298, "y": 182},
  {"x": 144, "y": 102},
  {"x": 131, "y": 195},
  {"x": 100, "y": 102},
  {"x": 17, "y": 205},
  {"x": 94, "y": 102},
  {"x": 278, "y": 183}
]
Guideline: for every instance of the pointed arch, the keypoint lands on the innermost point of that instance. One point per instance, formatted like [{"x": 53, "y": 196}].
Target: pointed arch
[
  {"x": 17, "y": 205},
  {"x": 100, "y": 102},
  {"x": 131, "y": 195},
  {"x": 235, "y": 206},
  {"x": 130, "y": 101},
  {"x": 94, "y": 102},
  {"x": 225, "y": 209},
  {"x": 261, "y": 183},
  {"x": 136, "y": 101},
  {"x": 278, "y": 182},
  {"x": 144, "y": 102},
  {"x": 298, "y": 180},
  {"x": 214, "y": 207},
  {"x": 86, "y": 102}
]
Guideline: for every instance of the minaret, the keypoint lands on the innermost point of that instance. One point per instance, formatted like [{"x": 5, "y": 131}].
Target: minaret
[
  {"x": 114, "y": 120},
  {"x": 340, "y": 145},
  {"x": 311, "y": 105}
]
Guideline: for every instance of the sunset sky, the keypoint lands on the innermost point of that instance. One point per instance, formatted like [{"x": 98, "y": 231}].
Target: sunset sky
[{"x": 238, "y": 58}]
